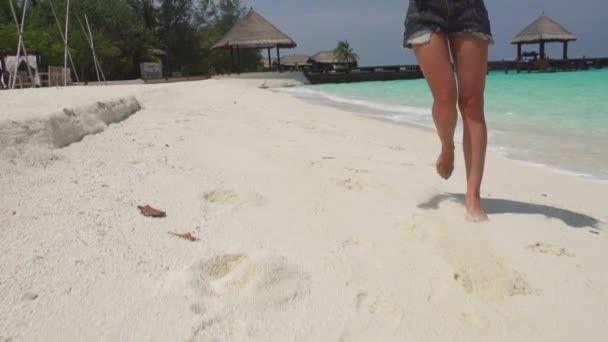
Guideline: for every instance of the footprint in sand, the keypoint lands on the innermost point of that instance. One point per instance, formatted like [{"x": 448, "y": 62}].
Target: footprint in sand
[
  {"x": 234, "y": 289},
  {"x": 320, "y": 162},
  {"x": 479, "y": 271},
  {"x": 245, "y": 284},
  {"x": 373, "y": 315},
  {"x": 356, "y": 171},
  {"x": 493, "y": 283},
  {"x": 355, "y": 243},
  {"x": 545, "y": 248},
  {"x": 465, "y": 281},
  {"x": 228, "y": 197},
  {"x": 222, "y": 197},
  {"x": 313, "y": 163},
  {"x": 351, "y": 243},
  {"x": 369, "y": 304},
  {"x": 350, "y": 184}
]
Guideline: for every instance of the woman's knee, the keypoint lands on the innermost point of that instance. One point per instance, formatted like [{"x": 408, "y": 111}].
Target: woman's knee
[
  {"x": 471, "y": 105},
  {"x": 446, "y": 97}
]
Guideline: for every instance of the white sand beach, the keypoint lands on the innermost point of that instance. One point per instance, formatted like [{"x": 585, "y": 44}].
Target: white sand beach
[{"x": 315, "y": 224}]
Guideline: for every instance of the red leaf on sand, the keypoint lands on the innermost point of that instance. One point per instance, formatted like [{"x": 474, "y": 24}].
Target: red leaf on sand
[
  {"x": 187, "y": 236},
  {"x": 148, "y": 211}
]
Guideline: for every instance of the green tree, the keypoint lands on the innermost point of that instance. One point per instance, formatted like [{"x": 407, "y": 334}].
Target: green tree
[
  {"x": 214, "y": 18},
  {"x": 180, "y": 33},
  {"x": 121, "y": 37},
  {"x": 205, "y": 13},
  {"x": 220, "y": 13},
  {"x": 147, "y": 11},
  {"x": 229, "y": 12},
  {"x": 345, "y": 54},
  {"x": 8, "y": 37},
  {"x": 8, "y": 32},
  {"x": 5, "y": 13}
]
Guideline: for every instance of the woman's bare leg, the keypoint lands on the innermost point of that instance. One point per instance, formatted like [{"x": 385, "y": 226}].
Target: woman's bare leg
[
  {"x": 434, "y": 59},
  {"x": 471, "y": 57}
]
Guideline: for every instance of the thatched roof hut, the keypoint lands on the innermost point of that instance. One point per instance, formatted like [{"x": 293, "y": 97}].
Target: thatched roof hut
[
  {"x": 295, "y": 60},
  {"x": 324, "y": 57},
  {"x": 255, "y": 32},
  {"x": 327, "y": 61},
  {"x": 290, "y": 62},
  {"x": 267, "y": 63},
  {"x": 543, "y": 30}
]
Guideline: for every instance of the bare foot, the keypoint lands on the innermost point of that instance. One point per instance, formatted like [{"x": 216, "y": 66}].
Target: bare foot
[
  {"x": 445, "y": 163},
  {"x": 475, "y": 212}
]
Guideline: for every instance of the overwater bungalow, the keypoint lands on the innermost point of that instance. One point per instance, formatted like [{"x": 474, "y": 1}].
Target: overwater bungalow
[
  {"x": 326, "y": 61},
  {"x": 296, "y": 62},
  {"x": 542, "y": 31}
]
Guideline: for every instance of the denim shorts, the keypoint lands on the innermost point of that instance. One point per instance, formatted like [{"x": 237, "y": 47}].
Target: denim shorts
[{"x": 448, "y": 16}]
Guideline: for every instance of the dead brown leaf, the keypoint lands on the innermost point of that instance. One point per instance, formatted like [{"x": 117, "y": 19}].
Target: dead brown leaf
[
  {"x": 148, "y": 211},
  {"x": 186, "y": 236}
]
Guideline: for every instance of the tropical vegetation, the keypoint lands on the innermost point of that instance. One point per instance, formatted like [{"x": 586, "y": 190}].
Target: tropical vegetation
[
  {"x": 345, "y": 54},
  {"x": 178, "y": 33}
]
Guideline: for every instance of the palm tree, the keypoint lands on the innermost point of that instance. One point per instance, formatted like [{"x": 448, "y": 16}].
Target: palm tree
[{"x": 345, "y": 54}]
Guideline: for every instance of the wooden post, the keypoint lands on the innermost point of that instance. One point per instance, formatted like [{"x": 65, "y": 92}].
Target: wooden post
[
  {"x": 542, "y": 50},
  {"x": 63, "y": 39},
  {"x": 65, "y": 43},
  {"x": 269, "y": 60},
  {"x": 86, "y": 35},
  {"x": 97, "y": 63},
  {"x": 279, "y": 59},
  {"x": 21, "y": 43},
  {"x": 519, "y": 51},
  {"x": 232, "y": 58},
  {"x": 238, "y": 56},
  {"x": 14, "y": 79},
  {"x": 3, "y": 67},
  {"x": 565, "y": 57},
  {"x": 27, "y": 56}
]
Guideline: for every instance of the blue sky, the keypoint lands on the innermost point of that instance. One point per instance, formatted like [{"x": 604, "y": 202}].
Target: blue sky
[{"x": 374, "y": 28}]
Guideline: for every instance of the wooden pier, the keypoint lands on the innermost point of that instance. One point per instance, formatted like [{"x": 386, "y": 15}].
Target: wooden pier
[
  {"x": 409, "y": 72},
  {"x": 548, "y": 65},
  {"x": 366, "y": 74}
]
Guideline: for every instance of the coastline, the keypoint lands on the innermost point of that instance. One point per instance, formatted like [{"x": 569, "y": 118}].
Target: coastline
[
  {"x": 420, "y": 117},
  {"x": 314, "y": 224}
]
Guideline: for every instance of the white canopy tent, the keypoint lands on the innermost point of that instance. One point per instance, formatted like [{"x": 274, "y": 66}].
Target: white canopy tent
[
  {"x": 3, "y": 85},
  {"x": 11, "y": 63}
]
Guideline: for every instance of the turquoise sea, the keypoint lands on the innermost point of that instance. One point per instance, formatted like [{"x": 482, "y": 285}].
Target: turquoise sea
[{"x": 559, "y": 120}]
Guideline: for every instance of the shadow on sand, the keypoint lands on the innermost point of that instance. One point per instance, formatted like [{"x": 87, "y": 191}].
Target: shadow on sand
[{"x": 502, "y": 206}]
